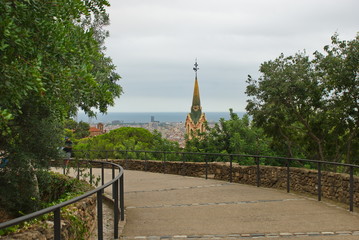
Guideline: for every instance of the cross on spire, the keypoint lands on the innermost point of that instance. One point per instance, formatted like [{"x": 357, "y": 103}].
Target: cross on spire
[{"x": 196, "y": 67}]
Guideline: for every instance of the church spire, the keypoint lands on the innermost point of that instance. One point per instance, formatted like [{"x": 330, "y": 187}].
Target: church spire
[
  {"x": 196, "y": 100},
  {"x": 196, "y": 109},
  {"x": 195, "y": 121}
]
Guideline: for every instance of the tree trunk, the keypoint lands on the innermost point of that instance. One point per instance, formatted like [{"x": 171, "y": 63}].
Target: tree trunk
[
  {"x": 313, "y": 136},
  {"x": 34, "y": 180},
  {"x": 349, "y": 146},
  {"x": 287, "y": 142}
]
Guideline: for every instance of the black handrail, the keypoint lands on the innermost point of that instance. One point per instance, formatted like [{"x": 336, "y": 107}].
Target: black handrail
[
  {"x": 117, "y": 181},
  {"x": 225, "y": 155},
  {"x": 257, "y": 160}
]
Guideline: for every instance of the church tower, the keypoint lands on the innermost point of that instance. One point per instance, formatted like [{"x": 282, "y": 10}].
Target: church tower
[{"x": 195, "y": 119}]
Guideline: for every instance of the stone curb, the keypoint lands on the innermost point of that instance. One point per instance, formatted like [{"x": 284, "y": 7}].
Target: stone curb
[
  {"x": 215, "y": 203},
  {"x": 110, "y": 202},
  {"x": 244, "y": 235}
]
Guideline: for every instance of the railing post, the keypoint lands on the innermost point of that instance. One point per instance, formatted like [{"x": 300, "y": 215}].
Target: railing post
[
  {"x": 319, "y": 181},
  {"x": 113, "y": 171},
  {"x": 113, "y": 185},
  {"x": 183, "y": 164},
  {"x": 99, "y": 215},
  {"x": 206, "y": 167},
  {"x": 115, "y": 210},
  {"x": 146, "y": 162},
  {"x": 351, "y": 189},
  {"x": 258, "y": 172},
  {"x": 91, "y": 174},
  {"x": 57, "y": 224},
  {"x": 122, "y": 201},
  {"x": 239, "y": 170},
  {"x": 230, "y": 168},
  {"x": 126, "y": 158},
  {"x": 164, "y": 162},
  {"x": 102, "y": 174},
  {"x": 64, "y": 168},
  {"x": 288, "y": 176},
  {"x": 78, "y": 169}
]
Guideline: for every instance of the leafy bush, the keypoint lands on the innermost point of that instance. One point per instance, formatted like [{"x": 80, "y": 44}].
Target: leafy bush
[
  {"x": 52, "y": 186},
  {"x": 54, "y": 189},
  {"x": 115, "y": 143}
]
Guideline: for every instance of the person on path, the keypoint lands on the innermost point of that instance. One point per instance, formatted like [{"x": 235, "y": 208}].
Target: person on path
[{"x": 68, "y": 149}]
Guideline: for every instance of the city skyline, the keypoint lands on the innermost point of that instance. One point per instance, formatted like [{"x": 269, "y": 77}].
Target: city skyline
[{"x": 154, "y": 45}]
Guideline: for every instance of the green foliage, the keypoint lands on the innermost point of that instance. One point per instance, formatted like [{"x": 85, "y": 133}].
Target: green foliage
[
  {"x": 70, "y": 124},
  {"x": 310, "y": 107},
  {"x": 52, "y": 63},
  {"x": 55, "y": 188},
  {"x": 233, "y": 136},
  {"x": 125, "y": 139},
  {"x": 9, "y": 230},
  {"x": 52, "y": 188},
  {"x": 78, "y": 129},
  {"x": 77, "y": 226}
]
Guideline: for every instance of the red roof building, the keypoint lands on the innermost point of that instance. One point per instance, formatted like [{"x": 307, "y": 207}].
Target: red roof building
[{"x": 95, "y": 131}]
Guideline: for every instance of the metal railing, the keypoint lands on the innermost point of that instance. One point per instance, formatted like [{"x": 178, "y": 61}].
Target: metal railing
[
  {"x": 117, "y": 183},
  {"x": 230, "y": 158}
]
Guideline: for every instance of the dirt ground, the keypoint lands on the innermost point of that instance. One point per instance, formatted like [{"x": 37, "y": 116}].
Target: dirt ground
[{"x": 4, "y": 215}]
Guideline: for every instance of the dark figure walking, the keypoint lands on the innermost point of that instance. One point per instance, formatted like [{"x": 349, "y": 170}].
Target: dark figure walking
[{"x": 68, "y": 149}]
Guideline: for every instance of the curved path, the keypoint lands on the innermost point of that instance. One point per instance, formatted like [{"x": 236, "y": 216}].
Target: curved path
[{"x": 162, "y": 206}]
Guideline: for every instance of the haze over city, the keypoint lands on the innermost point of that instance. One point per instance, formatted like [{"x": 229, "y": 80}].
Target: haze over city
[{"x": 155, "y": 43}]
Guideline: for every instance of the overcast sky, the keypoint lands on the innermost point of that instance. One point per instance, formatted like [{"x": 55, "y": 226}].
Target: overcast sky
[{"x": 154, "y": 44}]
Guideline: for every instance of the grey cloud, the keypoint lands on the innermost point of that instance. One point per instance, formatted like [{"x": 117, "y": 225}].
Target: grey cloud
[{"x": 154, "y": 44}]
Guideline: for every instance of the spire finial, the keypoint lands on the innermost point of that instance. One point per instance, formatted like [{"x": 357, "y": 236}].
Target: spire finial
[{"x": 196, "y": 67}]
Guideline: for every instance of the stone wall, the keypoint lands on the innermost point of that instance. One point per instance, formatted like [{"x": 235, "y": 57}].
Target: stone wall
[
  {"x": 85, "y": 210},
  {"x": 335, "y": 186}
]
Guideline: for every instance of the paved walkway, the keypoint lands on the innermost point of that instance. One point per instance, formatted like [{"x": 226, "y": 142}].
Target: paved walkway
[{"x": 163, "y": 206}]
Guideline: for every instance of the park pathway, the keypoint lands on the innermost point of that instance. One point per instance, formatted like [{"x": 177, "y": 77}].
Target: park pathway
[{"x": 164, "y": 206}]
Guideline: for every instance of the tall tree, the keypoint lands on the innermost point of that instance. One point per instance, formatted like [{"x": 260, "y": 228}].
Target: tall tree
[
  {"x": 126, "y": 138},
  {"x": 51, "y": 64},
  {"x": 311, "y": 106},
  {"x": 339, "y": 69},
  {"x": 236, "y": 135}
]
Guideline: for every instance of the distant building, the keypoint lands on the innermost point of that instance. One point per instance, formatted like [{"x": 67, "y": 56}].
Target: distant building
[
  {"x": 153, "y": 120},
  {"x": 195, "y": 119},
  {"x": 98, "y": 130}
]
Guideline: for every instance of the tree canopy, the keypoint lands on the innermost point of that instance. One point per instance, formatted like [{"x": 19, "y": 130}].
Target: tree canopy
[
  {"x": 76, "y": 130},
  {"x": 52, "y": 63},
  {"x": 310, "y": 107},
  {"x": 126, "y": 139},
  {"x": 233, "y": 136}
]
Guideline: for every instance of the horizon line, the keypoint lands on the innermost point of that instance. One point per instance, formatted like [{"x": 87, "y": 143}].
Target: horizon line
[{"x": 167, "y": 112}]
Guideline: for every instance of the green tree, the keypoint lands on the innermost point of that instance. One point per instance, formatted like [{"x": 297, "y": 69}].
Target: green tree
[
  {"x": 51, "y": 63},
  {"x": 234, "y": 136},
  {"x": 126, "y": 139},
  {"x": 70, "y": 124},
  {"x": 79, "y": 129},
  {"x": 310, "y": 106},
  {"x": 339, "y": 69},
  {"x": 82, "y": 130}
]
